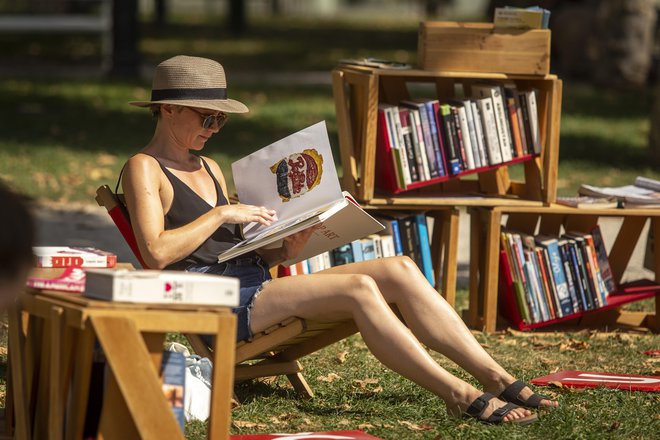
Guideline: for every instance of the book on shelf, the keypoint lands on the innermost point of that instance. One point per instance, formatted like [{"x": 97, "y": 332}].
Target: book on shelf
[
  {"x": 520, "y": 18},
  {"x": 548, "y": 277},
  {"x": 644, "y": 192},
  {"x": 161, "y": 287},
  {"x": 404, "y": 234},
  {"x": 423, "y": 140},
  {"x": 67, "y": 256},
  {"x": 72, "y": 279},
  {"x": 588, "y": 202},
  {"x": 296, "y": 177}
]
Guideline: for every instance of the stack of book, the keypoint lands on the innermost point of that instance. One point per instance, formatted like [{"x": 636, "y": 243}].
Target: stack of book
[
  {"x": 402, "y": 236},
  {"x": 554, "y": 277},
  {"x": 644, "y": 193},
  {"x": 426, "y": 141}
]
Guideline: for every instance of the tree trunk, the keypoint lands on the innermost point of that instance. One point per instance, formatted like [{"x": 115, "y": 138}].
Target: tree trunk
[
  {"x": 237, "y": 17},
  {"x": 125, "y": 56},
  {"x": 623, "y": 38}
]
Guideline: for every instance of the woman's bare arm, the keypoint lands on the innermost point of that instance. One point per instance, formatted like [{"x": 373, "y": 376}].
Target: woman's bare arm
[{"x": 159, "y": 248}]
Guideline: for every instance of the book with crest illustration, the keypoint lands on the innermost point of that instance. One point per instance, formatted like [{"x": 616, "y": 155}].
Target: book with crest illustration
[{"x": 296, "y": 177}]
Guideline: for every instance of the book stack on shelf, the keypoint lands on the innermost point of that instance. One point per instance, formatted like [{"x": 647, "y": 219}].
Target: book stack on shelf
[
  {"x": 405, "y": 235},
  {"x": 422, "y": 142},
  {"x": 544, "y": 280}
]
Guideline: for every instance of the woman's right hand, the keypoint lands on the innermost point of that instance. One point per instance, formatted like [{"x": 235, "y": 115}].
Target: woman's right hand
[{"x": 240, "y": 213}]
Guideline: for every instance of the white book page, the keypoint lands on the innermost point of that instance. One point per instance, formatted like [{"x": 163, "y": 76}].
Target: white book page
[{"x": 292, "y": 176}]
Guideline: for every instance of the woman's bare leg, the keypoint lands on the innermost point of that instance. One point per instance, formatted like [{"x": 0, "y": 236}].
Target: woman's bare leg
[
  {"x": 433, "y": 321},
  {"x": 335, "y": 297}
]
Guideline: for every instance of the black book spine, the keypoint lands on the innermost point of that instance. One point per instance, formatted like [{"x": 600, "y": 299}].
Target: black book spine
[
  {"x": 459, "y": 138},
  {"x": 453, "y": 163},
  {"x": 526, "y": 125}
]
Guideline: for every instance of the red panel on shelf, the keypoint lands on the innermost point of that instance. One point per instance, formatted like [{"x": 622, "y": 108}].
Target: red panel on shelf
[
  {"x": 627, "y": 293},
  {"x": 416, "y": 185}
]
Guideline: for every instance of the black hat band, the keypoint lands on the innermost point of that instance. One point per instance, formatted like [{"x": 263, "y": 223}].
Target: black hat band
[{"x": 182, "y": 94}]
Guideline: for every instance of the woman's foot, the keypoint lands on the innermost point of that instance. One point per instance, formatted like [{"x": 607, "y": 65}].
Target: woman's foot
[
  {"x": 518, "y": 392},
  {"x": 487, "y": 408}
]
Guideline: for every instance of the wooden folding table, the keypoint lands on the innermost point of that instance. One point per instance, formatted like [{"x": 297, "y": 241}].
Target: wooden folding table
[{"x": 51, "y": 355}]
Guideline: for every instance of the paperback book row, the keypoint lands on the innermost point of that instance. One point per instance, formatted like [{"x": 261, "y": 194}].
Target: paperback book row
[
  {"x": 402, "y": 236},
  {"x": 427, "y": 141},
  {"x": 554, "y": 277}
]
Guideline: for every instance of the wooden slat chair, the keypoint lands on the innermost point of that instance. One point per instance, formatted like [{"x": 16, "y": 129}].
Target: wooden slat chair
[{"x": 275, "y": 350}]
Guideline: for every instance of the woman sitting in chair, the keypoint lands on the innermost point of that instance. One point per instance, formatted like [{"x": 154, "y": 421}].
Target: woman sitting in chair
[{"x": 182, "y": 220}]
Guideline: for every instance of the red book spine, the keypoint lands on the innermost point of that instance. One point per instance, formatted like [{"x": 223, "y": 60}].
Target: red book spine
[
  {"x": 386, "y": 173},
  {"x": 508, "y": 302}
]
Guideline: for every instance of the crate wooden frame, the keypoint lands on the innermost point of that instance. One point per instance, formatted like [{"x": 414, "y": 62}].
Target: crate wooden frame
[
  {"x": 487, "y": 223},
  {"x": 357, "y": 93}
]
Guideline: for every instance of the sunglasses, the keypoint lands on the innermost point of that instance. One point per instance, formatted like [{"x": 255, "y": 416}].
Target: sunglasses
[{"x": 209, "y": 120}]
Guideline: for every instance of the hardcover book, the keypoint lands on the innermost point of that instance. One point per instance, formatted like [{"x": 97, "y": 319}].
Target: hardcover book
[
  {"x": 296, "y": 177},
  {"x": 161, "y": 287},
  {"x": 65, "y": 256},
  {"x": 71, "y": 280},
  {"x": 173, "y": 372}
]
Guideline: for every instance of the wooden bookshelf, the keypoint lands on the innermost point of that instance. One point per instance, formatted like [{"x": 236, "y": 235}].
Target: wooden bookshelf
[
  {"x": 359, "y": 90},
  {"x": 487, "y": 223}
]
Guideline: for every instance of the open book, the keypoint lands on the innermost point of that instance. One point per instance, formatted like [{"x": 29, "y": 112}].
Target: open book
[
  {"x": 296, "y": 177},
  {"x": 645, "y": 191}
]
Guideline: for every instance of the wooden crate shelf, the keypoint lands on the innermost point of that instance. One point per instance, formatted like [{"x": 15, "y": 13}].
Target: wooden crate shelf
[
  {"x": 487, "y": 223},
  {"x": 358, "y": 91}
]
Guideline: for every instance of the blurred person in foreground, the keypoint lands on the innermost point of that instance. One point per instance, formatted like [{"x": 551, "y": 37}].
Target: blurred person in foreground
[
  {"x": 182, "y": 220},
  {"x": 16, "y": 241}
]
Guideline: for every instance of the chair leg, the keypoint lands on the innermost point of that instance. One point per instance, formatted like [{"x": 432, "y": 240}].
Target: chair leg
[{"x": 300, "y": 385}]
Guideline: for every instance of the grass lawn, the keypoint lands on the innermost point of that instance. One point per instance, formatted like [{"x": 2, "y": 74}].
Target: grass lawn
[{"x": 359, "y": 393}]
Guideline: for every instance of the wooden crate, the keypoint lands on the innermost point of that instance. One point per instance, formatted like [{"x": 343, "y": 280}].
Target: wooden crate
[
  {"x": 487, "y": 223},
  {"x": 358, "y": 91},
  {"x": 478, "y": 47}
]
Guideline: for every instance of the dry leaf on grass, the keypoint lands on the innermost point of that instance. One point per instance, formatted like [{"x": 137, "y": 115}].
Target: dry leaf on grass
[
  {"x": 341, "y": 357},
  {"x": 344, "y": 422},
  {"x": 363, "y": 383},
  {"x": 656, "y": 372},
  {"x": 573, "y": 345},
  {"x": 555, "y": 383},
  {"x": 413, "y": 426},
  {"x": 275, "y": 421},
  {"x": 377, "y": 390},
  {"x": 246, "y": 424},
  {"x": 365, "y": 426},
  {"x": 329, "y": 378}
]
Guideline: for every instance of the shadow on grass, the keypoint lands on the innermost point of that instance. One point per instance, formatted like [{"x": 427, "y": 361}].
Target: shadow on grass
[{"x": 251, "y": 391}]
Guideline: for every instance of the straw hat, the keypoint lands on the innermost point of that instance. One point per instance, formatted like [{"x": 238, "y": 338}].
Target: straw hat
[{"x": 192, "y": 82}]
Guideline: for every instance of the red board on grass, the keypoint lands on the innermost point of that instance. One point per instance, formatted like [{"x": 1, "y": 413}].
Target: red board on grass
[
  {"x": 584, "y": 379},
  {"x": 326, "y": 435}
]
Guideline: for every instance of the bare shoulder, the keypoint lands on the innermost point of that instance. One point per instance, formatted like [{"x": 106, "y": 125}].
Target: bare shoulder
[{"x": 141, "y": 168}]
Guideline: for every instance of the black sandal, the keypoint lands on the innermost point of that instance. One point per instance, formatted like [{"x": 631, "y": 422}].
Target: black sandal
[
  {"x": 511, "y": 393},
  {"x": 497, "y": 417}
]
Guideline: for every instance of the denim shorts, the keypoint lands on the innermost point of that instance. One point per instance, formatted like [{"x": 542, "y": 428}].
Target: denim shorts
[{"x": 253, "y": 273}]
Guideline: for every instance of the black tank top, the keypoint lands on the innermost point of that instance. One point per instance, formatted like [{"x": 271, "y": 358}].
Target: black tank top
[{"x": 187, "y": 206}]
